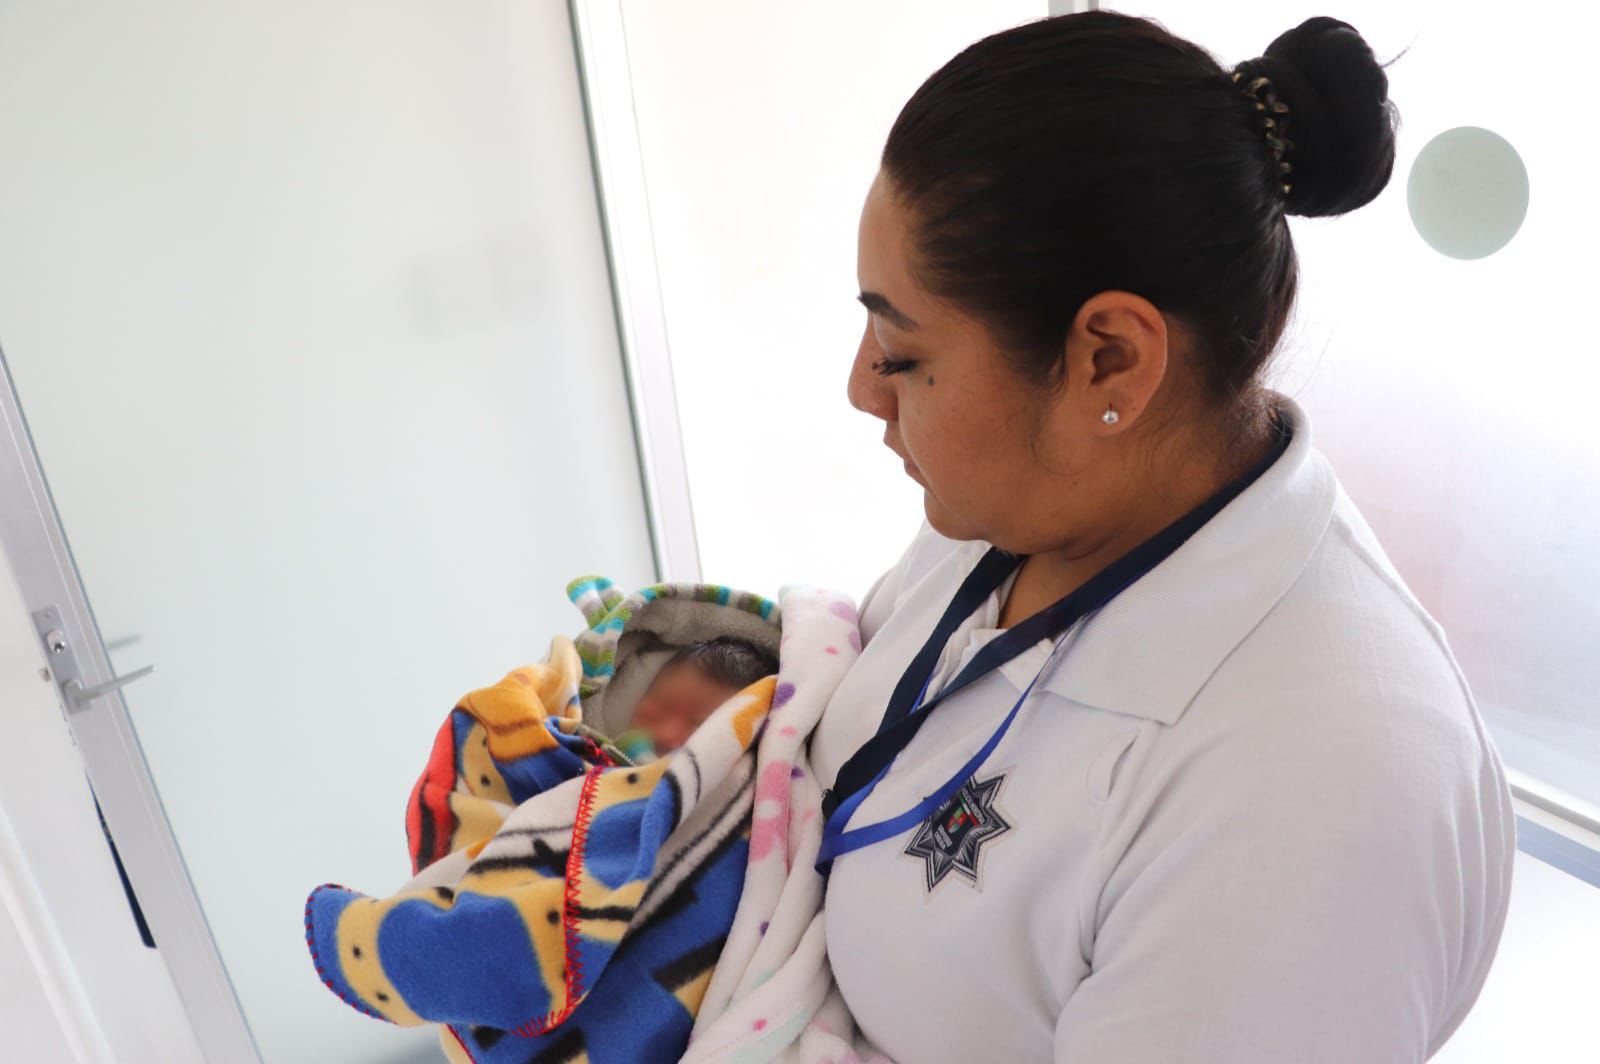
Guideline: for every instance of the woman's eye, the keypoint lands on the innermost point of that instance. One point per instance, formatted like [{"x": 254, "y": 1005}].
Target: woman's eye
[{"x": 888, "y": 367}]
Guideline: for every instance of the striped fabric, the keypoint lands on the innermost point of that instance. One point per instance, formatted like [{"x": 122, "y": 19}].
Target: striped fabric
[
  {"x": 628, "y": 636},
  {"x": 608, "y": 612}
]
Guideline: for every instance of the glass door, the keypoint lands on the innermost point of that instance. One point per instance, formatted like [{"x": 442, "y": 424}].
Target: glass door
[{"x": 308, "y": 310}]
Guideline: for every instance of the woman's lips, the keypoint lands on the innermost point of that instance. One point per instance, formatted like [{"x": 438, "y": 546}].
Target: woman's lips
[{"x": 911, "y": 467}]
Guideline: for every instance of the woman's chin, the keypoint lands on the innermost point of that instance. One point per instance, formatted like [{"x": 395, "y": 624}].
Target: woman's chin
[{"x": 944, "y": 522}]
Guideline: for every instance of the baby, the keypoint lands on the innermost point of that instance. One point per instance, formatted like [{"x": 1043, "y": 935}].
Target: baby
[
  {"x": 534, "y": 841},
  {"x": 688, "y": 688}
]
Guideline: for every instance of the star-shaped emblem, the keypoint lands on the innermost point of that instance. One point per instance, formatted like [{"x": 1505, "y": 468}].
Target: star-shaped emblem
[{"x": 952, "y": 839}]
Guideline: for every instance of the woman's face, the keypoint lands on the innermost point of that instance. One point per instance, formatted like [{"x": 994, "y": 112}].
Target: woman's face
[{"x": 997, "y": 458}]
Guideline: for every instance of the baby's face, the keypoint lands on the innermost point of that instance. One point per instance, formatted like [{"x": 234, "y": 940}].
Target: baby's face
[{"x": 678, "y": 702}]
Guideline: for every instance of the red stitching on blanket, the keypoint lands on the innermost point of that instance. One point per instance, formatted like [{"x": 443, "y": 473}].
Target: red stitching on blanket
[
  {"x": 599, "y": 754},
  {"x": 569, "y": 918},
  {"x": 462, "y": 1042},
  {"x": 316, "y": 959}
]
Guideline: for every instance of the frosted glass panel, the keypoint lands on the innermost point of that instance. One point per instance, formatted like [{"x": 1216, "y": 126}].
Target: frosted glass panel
[
  {"x": 1457, "y": 397},
  {"x": 756, "y": 244},
  {"x": 308, "y": 308}
]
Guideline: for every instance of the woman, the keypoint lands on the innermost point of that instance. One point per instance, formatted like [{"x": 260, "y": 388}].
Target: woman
[{"x": 1150, "y": 755}]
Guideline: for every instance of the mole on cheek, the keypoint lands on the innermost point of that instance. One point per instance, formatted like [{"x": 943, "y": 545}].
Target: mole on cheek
[{"x": 930, "y": 380}]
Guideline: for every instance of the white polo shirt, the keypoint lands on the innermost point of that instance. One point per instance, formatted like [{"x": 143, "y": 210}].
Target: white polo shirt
[{"x": 1250, "y": 814}]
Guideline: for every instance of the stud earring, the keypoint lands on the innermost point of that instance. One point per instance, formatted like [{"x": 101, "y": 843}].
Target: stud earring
[{"x": 1110, "y": 417}]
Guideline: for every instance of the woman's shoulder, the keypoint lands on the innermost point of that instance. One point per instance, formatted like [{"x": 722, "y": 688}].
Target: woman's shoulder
[
  {"x": 1349, "y": 668},
  {"x": 1359, "y": 626},
  {"x": 1343, "y": 715}
]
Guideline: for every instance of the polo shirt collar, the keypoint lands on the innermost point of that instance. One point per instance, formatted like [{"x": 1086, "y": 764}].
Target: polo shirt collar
[{"x": 1148, "y": 652}]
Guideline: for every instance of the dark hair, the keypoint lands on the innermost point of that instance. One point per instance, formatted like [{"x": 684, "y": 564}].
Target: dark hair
[
  {"x": 726, "y": 660},
  {"x": 1096, "y": 152}
]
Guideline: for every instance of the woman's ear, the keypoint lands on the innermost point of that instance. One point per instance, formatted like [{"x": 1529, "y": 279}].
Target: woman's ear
[{"x": 1116, "y": 357}]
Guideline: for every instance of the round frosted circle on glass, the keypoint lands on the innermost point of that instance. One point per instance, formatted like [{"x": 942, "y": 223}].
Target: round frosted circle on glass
[{"x": 1468, "y": 192}]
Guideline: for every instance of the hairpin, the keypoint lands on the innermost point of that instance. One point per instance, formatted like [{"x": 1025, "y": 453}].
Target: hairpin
[{"x": 1275, "y": 120}]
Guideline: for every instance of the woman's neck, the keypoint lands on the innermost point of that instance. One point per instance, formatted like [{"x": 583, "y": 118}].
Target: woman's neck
[{"x": 1050, "y": 575}]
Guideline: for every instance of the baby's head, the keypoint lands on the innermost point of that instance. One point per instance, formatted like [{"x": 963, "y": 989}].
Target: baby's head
[{"x": 693, "y": 683}]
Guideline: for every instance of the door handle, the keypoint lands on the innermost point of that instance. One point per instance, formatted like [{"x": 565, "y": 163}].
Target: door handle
[
  {"x": 79, "y": 696},
  {"x": 65, "y": 667}
]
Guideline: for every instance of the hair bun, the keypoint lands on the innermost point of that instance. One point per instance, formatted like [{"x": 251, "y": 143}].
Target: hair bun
[{"x": 1340, "y": 124}]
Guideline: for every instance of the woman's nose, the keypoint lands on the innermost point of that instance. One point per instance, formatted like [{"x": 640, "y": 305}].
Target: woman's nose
[{"x": 870, "y": 391}]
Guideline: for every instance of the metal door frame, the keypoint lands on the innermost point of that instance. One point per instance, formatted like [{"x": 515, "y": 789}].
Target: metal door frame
[
  {"x": 33, "y": 541},
  {"x": 600, "y": 39}
]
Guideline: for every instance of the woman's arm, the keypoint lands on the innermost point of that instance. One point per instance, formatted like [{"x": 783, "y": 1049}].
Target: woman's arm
[{"x": 1307, "y": 898}]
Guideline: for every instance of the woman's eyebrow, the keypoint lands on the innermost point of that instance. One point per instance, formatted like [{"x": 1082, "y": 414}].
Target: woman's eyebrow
[{"x": 877, "y": 304}]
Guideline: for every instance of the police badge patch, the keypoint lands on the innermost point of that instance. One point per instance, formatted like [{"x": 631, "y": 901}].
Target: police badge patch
[{"x": 952, "y": 839}]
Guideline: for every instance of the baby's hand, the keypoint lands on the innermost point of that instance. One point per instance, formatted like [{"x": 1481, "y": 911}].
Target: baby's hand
[{"x": 636, "y": 745}]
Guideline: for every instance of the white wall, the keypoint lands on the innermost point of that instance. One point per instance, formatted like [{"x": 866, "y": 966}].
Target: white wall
[
  {"x": 307, "y": 305},
  {"x": 33, "y": 1029}
]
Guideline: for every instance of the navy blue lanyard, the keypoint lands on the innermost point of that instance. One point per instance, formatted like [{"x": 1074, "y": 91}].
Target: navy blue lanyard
[{"x": 909, "y": 706}]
